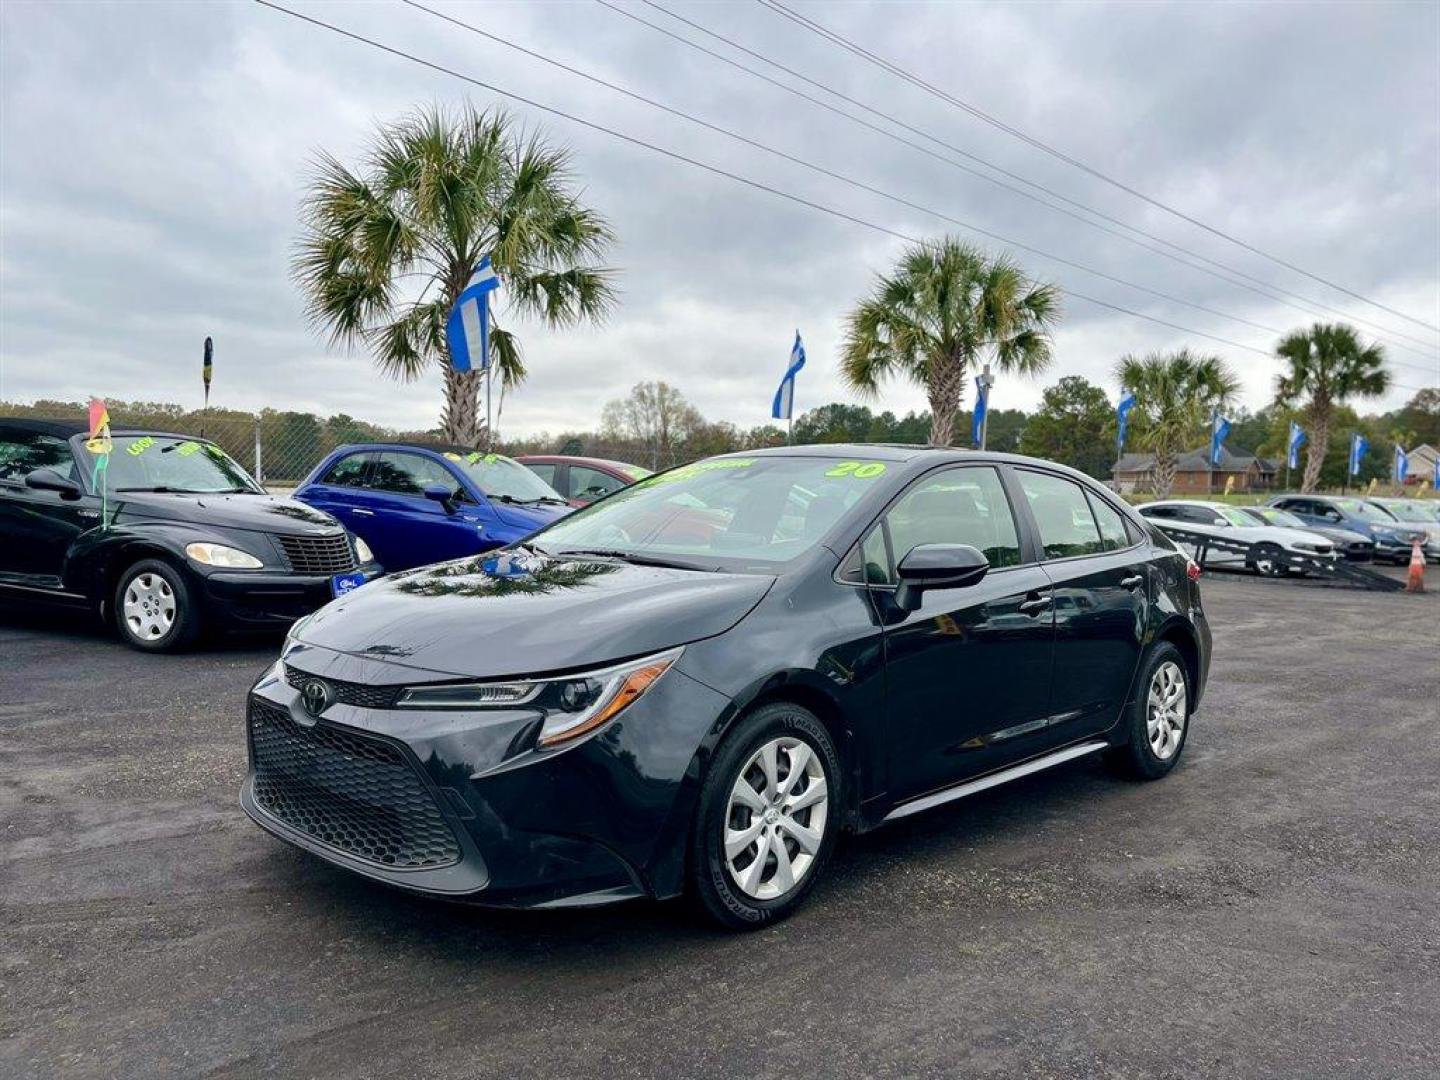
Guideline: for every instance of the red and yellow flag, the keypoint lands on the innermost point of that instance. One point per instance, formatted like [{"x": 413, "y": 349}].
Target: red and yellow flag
[{"x": 99, "y": 441}]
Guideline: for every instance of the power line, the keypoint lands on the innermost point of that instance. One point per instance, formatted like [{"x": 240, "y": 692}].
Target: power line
[
  {"x": 1271, "y": 292},
  {"x": 860, "y": 185},
  {"x": 716, "y": 170},
  {"x": 980, "y": 114}
]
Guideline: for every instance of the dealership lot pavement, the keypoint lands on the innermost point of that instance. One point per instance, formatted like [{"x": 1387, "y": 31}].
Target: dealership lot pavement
[{"x": 1272, "y": 909}]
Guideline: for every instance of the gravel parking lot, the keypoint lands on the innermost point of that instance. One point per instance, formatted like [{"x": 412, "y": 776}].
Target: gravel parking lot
[{"x": 1272, "y": 909}]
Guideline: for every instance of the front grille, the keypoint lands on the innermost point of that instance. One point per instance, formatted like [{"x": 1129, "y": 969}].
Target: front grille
[
  {"x": 348, "y": 693},
  {"x": 328, "y": 554},
  {"x": 355, "y": 793}
]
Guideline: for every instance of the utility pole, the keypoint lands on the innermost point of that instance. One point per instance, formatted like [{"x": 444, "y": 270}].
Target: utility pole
[{"x": 986, "y": 381}]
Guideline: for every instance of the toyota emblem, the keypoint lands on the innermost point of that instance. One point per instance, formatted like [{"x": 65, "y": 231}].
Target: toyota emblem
[{"x": 316, "y": 696}]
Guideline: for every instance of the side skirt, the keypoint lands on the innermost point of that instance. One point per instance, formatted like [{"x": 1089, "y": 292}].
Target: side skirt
[{"x": 995, "y": 779}]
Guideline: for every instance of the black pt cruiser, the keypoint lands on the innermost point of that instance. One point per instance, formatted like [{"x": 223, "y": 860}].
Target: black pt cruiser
[
  {"x": 166, "y": 539},
  {"x": 695, "y": 684}
]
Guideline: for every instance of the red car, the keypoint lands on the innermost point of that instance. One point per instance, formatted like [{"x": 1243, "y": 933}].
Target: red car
[{"x": 582, "y": 480}]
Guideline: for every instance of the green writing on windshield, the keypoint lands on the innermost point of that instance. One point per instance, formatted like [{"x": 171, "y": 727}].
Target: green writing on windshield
[
  {"x": 140, "y": 445},
  {"x": 185, "y": 449},
  {"x": 685, "y": 472},
  {"x": 857, "y": 470}
]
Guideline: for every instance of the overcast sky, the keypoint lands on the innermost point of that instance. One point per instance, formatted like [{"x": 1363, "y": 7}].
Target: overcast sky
[{"x": 152, "y": 157}]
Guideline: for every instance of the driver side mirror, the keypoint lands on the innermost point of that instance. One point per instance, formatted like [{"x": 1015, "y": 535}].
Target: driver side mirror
[
  {"x": 50, "y": 480},
  {"x": 937, "y": 566},
  {"x": 442, "y": 494}
]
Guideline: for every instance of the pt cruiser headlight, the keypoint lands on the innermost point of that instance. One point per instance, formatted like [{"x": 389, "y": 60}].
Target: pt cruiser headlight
[
  {"x": 573, "y": 706},
  {"x": 227, "y": 558},
  {"x": 362, "y": 551}
]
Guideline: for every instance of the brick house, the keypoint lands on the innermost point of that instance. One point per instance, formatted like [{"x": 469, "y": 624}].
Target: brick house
[{"x": 1194, "y": 474}]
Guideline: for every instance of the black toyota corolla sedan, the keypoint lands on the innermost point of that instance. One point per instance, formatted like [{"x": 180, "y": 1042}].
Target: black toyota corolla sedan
[{"x": 696, "y": 683}]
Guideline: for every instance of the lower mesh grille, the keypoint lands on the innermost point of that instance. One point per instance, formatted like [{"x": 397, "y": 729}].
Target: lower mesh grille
[{"x": 357, "y": 794}]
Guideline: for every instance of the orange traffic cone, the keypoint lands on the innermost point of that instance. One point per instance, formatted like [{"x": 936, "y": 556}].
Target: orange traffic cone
[{"x": 1415, "y": 582}]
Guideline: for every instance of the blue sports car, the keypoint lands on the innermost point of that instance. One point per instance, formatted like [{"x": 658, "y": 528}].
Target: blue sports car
[{"x": 416, "y": 505}]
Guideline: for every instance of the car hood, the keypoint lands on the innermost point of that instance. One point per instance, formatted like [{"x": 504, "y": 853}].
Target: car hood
[
  {"x": 261, "y": 513},
  {"x": 529, "y": 517},
  {"x": 509, "y": 613},
  {"x": 1339, "y": 534}
]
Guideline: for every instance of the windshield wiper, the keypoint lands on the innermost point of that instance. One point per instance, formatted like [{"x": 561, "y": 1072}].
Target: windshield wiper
[
  {"x": 163, "y": 489},
  {"x": 626, "y": 556},
  {"x": 526, "y": 502}
]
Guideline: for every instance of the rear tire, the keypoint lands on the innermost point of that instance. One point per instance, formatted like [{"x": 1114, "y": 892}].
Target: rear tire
[
  {"x": 769, "y": 811},
  {"x": 1158, "y": 720},
  {"x": 1268, "y": 561},
  {"x": 155, "y": 608}
]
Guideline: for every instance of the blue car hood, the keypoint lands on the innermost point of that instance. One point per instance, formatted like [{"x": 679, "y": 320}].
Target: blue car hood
[
  {"x": 528, "y": 518},
  {"x": 507, "y": 613}
]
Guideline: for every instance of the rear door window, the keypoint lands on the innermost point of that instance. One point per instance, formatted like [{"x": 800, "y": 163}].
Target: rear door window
[
  {"x": 1113, "y": 536},
  {"x": 1062, "y": 514}
]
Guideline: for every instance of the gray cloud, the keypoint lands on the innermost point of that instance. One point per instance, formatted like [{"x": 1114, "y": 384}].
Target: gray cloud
[{"x": 152, "y": 158}]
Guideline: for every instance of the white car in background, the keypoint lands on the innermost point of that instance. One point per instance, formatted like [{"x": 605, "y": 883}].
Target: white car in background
[{"x": 1268, "y": 545}]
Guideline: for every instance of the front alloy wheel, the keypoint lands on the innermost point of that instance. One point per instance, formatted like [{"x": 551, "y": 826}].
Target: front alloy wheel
[
  {"x": 776, "y": 818},
  {"x": 767, "y": 817}
]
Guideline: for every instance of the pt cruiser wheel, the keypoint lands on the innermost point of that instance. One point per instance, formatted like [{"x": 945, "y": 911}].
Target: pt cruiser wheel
[
  {"x": 767, "y": 817},
  {"x": 154, "y": 610}
]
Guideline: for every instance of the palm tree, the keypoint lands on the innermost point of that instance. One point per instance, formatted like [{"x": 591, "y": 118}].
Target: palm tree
[
  {"x": 386, "y": 250},
  {"x": 1175, "y": 394},
  {"x": 947, "y": 305},
  {"x": 1328, "y": 365}
]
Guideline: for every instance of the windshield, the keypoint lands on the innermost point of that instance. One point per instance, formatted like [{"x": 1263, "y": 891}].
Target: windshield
[
  {"x": 635, "y": 472},
  {"x": 1234, "y": 516},
  {"x": 721, "y": 512},
  {"x": 173, "y": 463},
  {"x": 1273, "y": 516},
  {"x": 500, "y": 477},
  {"x": 1409, "y": 512},
  {"x": 1368, "y": 511}
]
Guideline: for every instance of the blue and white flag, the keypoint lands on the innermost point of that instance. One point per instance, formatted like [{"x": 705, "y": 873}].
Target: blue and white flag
[
  {"x": 1297, "y": 440},
  {"x": 783, "y": 408},
  {"x": 982, "y": 402},
  {"x": 1358, "y": 445},
  {"x": 468, "y": 329},
  {"x": 1402, "y": 464},
  {"x": 1219, "y": 428},
  {"x": 1122, "y": 419}
]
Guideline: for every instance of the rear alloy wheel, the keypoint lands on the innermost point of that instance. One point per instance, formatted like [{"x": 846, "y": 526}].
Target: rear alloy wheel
[
  {"x": 154, "y": 610},
  {"x": 1158, "y": 720},
  {"x": 767, "y": 817}
]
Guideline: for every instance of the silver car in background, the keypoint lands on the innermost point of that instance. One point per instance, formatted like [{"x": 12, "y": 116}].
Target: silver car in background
[
  {"x": 1349, "y": 544},
  {"x": 1268, "y": 546},
  {"x": 1414, "y": 514}
]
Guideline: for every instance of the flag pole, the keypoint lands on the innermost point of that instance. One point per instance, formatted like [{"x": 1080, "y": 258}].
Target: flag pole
[
  {"x": 989, "y": 381},
  {"x": 489, "y": 431}
]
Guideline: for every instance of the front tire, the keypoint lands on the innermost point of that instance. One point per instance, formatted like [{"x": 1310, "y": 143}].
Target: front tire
[
  {"x": 1269, "y": 561},
  {"x": 1158, "y": 720},
  {"x": 768, "y": 815},
  {"x": 155, "y": 609}
]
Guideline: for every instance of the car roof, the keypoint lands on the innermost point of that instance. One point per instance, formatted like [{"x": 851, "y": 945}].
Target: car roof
[
  {"x": 577, "y": 459},
  {"x": 431, "y": 448},
  {"x": 67, "y": 429}
]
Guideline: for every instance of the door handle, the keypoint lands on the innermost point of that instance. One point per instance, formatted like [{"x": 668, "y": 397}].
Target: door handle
[
  {"x": 1039, "y": 603},
  {"x": 357, "y": 510},
  {"x": 1133, "y": 582}
]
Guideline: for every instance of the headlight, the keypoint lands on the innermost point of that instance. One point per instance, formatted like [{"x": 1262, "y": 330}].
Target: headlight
[
  {"x": 220, "y": 555},
  {"x": 363, "y": 552},
  {"x": 573, "y": 706}
]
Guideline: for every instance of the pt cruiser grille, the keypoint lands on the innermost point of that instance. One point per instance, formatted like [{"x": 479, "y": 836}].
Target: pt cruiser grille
[
  {"x": 329, "y": 554},
  {"x": 357, "y": 794}
]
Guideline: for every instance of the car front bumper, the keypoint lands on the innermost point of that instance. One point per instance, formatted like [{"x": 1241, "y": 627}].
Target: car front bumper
[
  {"x": 268, "y": 599},
  {"x": 452, "y": 804}
]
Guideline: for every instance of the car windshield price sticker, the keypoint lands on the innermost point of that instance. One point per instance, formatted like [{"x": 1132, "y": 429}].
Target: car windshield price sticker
[{"x": 858, "y": 470}]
